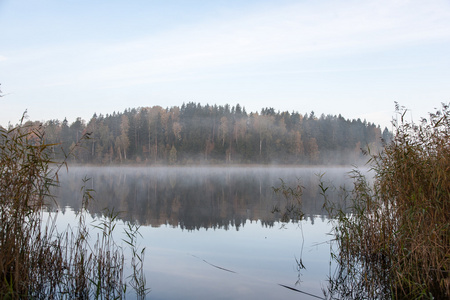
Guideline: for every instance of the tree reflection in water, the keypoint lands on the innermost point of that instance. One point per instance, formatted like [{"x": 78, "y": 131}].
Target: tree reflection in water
[
  {"x": 193, "y": 198},
  {"x": 205, "y": 198}
]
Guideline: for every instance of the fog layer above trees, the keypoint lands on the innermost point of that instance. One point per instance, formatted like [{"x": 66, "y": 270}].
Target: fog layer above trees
[{"x": 215, "y": 134}]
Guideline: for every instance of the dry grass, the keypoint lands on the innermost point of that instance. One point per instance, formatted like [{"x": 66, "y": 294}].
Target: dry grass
[
  {"x": 37, "y": 261},
  {"x": 396, "y": 243}
]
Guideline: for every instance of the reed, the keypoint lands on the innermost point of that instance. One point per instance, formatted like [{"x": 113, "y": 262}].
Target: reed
[
  {"x": 37, "y": 260},
  {"x": 396, "y": 242}
]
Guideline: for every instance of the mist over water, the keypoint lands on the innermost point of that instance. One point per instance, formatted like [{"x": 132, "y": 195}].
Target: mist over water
[
  {"x": 197, "y": 197},
  {"x": 211, "y": 232}
]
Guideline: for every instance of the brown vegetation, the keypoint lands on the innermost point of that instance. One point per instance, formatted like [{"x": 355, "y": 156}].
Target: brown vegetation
[
  {"x": 38, "y": 261},
  {"x": 396, "y": 243}
]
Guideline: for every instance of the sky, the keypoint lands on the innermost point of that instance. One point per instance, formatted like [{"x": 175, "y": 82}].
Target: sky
[{"x": 69, "y": 59}]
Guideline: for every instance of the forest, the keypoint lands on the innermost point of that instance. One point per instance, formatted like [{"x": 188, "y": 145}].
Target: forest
[{"x": 212, "y": 134}]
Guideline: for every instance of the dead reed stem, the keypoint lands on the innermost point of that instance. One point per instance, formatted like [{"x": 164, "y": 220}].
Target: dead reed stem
[
  {"x": 37, "y": 261},
  {"x": 397, "y": 238}
]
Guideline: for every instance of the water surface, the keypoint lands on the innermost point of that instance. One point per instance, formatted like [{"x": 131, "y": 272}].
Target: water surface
[{"x": 212, "y": 233}]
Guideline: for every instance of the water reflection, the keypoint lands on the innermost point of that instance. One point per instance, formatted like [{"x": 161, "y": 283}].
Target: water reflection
[
  {"x": 194, "y": 198},
  {"x": 178, "y": 207}
]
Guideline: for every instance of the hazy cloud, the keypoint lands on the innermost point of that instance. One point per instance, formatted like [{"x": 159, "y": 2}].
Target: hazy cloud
[
  {"x": 317, "y": 50},
  {"x": 338, "y": 28}
]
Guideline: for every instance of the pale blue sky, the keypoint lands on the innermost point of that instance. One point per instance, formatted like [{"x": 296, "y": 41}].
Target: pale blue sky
[{"x": 73, "y": 58}]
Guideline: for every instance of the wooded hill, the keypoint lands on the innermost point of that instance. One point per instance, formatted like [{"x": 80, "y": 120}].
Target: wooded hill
[{"x": 215, "y": 134}]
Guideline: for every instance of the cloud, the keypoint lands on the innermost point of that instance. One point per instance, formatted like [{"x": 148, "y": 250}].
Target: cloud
[
  {"x": 292, "y": 32},
  {"x": 279, "y": 34}
]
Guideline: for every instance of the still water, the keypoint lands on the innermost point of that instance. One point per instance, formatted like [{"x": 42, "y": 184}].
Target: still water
[{"x": 212, "y": 233}]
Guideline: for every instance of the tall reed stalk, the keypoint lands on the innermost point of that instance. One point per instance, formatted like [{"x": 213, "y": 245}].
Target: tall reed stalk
[
  {"x": 37, "y": 261},
  {"x": 396, "y": 242}
]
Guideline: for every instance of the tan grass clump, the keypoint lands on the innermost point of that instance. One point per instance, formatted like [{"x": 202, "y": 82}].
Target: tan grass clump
[
  {"x": 396, "y": 242},
  {"x": 37, "y": 261}
]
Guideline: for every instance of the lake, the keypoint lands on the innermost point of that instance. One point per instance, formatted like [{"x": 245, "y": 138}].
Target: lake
[{"x": 217, "y": 232}]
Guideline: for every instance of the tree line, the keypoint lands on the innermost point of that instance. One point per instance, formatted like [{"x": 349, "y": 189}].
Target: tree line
[{"x": 212, "y": 134}]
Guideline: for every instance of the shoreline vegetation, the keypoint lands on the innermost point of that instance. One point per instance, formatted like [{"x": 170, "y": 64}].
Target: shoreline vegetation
[
  {"x": 211, "y": 134},
  {"x": 37, "y": 260},
  {"x": 395, "y": 242}
]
